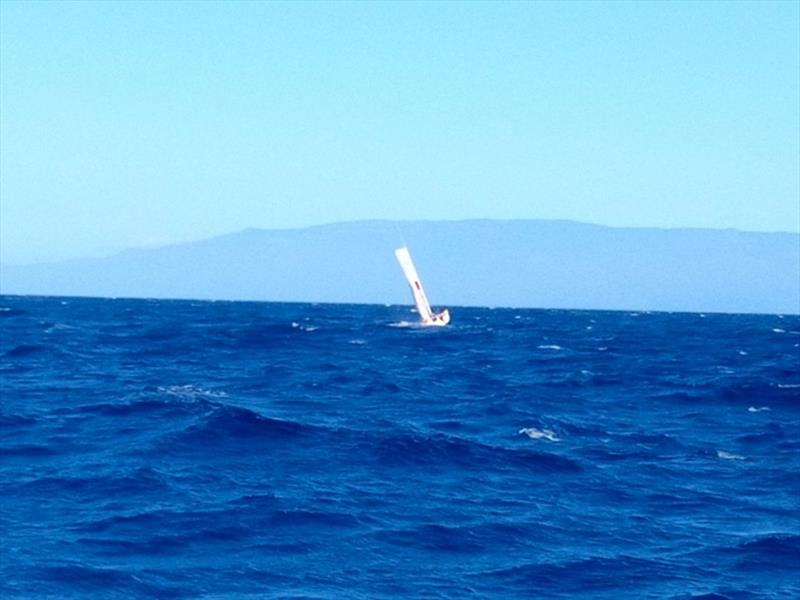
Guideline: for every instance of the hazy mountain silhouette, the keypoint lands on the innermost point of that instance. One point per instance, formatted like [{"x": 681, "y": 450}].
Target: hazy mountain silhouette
[{"x": 551, "y": 264}]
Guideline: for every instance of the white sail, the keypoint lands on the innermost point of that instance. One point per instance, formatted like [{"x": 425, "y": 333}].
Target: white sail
[{"x": 420, "y": 299}]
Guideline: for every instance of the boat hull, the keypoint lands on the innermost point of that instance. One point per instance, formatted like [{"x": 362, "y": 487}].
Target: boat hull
[{"x": 438, "y": 320}]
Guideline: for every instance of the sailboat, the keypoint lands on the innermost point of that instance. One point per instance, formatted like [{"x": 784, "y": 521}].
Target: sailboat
[{"x": 427, "y": 316}]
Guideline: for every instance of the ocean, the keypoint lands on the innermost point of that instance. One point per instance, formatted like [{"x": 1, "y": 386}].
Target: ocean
[{"x": 189, "y": 449}]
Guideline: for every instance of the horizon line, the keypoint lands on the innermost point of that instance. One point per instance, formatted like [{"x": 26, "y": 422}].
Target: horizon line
[{"x": 637, "y": 311}]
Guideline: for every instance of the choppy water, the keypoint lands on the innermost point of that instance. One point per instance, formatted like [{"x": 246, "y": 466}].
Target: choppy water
[{"x": 175, "y": 449}]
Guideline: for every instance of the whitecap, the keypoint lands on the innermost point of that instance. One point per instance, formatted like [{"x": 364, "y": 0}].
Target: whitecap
[
  {"x": 402, "y": 324},
  {"x": 58, "y": 327},
  {"x": 539, "y": 434},
  {"x": 310, "y": 328},
  {"x": 729, "y": 455},
  {"x": 357, "y": 342},
  {"x": 295, "y": 324},
  {"x": 742, "y": 353},
  {"x": 778, "y": 330},
  {"x": 755, "y": 409},
  {"x": 191, "y": 391},
  {"x": 788, "y": 386},
  {"x": 549, "y": 347}
]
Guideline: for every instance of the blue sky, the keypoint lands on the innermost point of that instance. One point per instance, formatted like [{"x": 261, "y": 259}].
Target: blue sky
[{"x": 127, "y": 124}]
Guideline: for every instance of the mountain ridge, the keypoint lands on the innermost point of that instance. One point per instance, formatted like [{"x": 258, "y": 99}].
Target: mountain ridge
[{"x": 470, "y": 262}]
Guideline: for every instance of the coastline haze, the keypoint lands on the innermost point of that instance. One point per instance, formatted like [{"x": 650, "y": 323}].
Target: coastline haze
[{"x": 521, "y": 263}]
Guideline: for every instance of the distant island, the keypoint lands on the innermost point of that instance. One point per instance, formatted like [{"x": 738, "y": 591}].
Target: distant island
[{"x": 515, "y": 263}]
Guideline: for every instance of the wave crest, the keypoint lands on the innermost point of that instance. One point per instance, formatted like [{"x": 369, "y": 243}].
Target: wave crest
[{"x": 443, "y": 451}]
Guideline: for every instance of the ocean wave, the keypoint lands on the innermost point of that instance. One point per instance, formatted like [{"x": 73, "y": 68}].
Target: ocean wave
[
  {"x": 772, "y": 432},
  {"x": 729, "y": 455},
  {"x": 142, "y": 480},
  {"x": 133, "y": 522},
  {"x": 145, "y": 405},
  {"x": 685, "y": 500},
  {"x": 258, "y": 501},
  {"x": 184, "y": 527},
  {"x": 776, "y": 551},
  {"x": 448, "y": 425},
  {"x": 636, "y": 446},
  {"x": 436, "y": 537},
  {"x": 160, "y": 532},
  {"x": 379, "y": 387},
  {"x": 603, "y": 454},
  {"x": 466, "y": 539},
  {"x": 297, "y": 547},
  {"x": 679, "y": 397},
  {"x": 586, "y": 575},
  {"x": 756, "y": 395},
  {"x": 539, "y": 434},
  {"x": 776, "y": 545},
  {"x": 576, "y": 380},
  {"x": 312, "y": 519},
  {"x": 157, "y": 545},
  {"x": 190, "y": 391},
  {"x": 112, "y": 582},
  {"x": 441, "y": 451},
  {"x": 760, "y": 393},
  {"x": 239, "y": 424},
  {"x": 27, "y": 451},
  {"x": 25, "y": 350},
  {"x": 14, "y": 421},
  {"x": 163, "y": 333},
  {"x": 584, "y": 429},
  {"x": 261, "y": 337},
  {"x": 656, "y": 440},
  {"x": 122, "y": 409}
]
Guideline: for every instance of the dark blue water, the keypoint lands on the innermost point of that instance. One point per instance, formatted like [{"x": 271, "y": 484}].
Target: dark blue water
[{"x": 172, "y": 449}]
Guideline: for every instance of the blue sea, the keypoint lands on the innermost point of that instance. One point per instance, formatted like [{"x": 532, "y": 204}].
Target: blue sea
[{"x": 187, "y": 449}]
